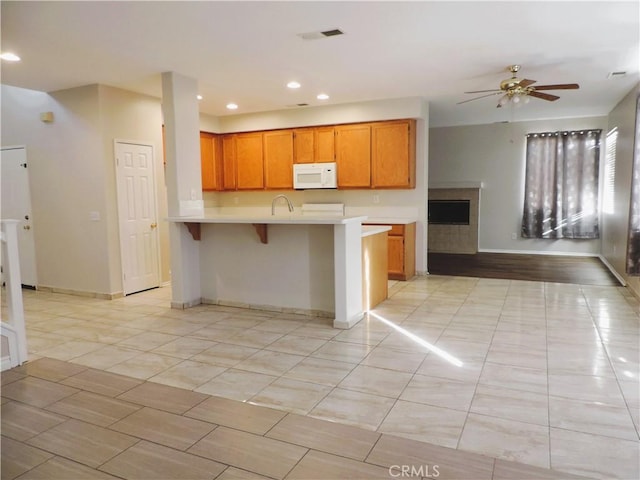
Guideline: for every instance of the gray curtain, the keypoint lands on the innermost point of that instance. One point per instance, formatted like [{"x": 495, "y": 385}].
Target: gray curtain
[
  {"x": 561, "y": 185},
  {"x": 633, "y": 251}
]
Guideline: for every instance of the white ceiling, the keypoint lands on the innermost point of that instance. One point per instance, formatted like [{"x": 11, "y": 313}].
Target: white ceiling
[{"x": 245, "y": 52}]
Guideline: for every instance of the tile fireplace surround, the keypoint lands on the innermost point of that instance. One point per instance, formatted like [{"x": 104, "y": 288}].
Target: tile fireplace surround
[{"x": 456, "y": 238}]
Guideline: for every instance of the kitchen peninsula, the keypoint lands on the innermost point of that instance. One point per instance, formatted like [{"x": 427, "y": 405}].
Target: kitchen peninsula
[{"x": 293, "y": 263}]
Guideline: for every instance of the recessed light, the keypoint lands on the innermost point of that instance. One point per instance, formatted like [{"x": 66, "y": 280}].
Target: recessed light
[
  {"x": 322, "y": 96},
  {"x": 10, "y": 57},
  {"x": 232, "y": 106},
  {"x": 293, "y": 85},
  {"x": 199, "y": 97}
]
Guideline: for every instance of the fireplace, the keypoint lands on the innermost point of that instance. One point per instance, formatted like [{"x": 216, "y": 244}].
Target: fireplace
[
  {"x": 453, "y": 219},
  {"x": 449, "y": 212}
]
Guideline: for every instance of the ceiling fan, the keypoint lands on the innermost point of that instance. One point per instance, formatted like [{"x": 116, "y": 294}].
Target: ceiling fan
[{"x": 515, "y": 90}]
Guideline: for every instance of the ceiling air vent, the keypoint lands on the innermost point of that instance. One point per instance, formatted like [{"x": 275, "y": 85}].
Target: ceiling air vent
[
  {"x": 332, "y": 33},
  {"x": 319, "y": 35},
  {"x": 616, "y": 74},
  {"x": 298, "y": 105}
]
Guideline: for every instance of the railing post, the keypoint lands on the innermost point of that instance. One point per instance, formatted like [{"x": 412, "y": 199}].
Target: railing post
[{"x": 11, "y": 270}]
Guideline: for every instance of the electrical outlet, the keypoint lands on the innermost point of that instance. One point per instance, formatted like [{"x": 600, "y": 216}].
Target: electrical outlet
[
  {"x": 376, "y": 198},
  {"x": 514, "y": 236}
]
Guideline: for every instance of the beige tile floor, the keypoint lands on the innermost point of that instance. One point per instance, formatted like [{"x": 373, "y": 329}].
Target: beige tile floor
[{"x": 537, "y": 373}]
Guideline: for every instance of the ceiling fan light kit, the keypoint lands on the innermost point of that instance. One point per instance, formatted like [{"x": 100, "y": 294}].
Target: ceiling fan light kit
[{"x": 519, "y": 91}]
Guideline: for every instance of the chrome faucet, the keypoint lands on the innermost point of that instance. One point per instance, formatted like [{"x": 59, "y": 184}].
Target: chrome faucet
[{"x": 273, "y": 203}]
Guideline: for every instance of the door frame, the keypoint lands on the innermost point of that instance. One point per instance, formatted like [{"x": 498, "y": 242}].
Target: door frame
[
  {"x": 122, "y": 243},
  {"x": 22, "y": 220}
]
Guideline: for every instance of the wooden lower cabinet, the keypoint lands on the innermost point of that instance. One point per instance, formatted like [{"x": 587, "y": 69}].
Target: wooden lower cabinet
[
  {"x": 375, "y": 284},
  {"x": 402, "y": 251}
]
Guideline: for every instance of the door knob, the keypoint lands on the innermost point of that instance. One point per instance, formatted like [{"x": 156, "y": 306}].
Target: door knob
[
  {"x": 154, "y": 225},
  {"x": 27, "y": 227}
]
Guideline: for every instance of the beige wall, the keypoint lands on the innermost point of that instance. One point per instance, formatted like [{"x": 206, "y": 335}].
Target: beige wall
[
  {"x": 72, "y": 173},
  {"x": 616, "y": 224},
  {"x": 132, "y": 117}
]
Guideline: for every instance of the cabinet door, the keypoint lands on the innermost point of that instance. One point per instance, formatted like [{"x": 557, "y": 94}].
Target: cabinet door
[
  {"x": 353, "y": 155},
  {"x": 393, "y": 154},
  {"x": 209, "y": 161},
  {"x": 278, "y": 159},
  {"x": 315, "y": 144},
  {"x": 249, "y": 162},
  {"x": 324, "y": 144},
  {"x": 396, "y": 256},
  {"x": 229, "y": 162},
  {"x": 303, "y": 145}
]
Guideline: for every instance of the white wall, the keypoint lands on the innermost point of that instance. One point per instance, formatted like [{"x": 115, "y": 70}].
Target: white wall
[
  {"x": 392, "y": 203},
  {"x": 616, "y": 224},
  {"x": 72, "y": 173},
  {"x": 133, "y": 117},
  {"x": 66, "y": 180},
  {"x": 494, "y": 154}
]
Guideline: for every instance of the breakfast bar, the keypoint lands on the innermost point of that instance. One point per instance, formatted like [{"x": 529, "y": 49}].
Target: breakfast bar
[{"x": 292, "y": 263}]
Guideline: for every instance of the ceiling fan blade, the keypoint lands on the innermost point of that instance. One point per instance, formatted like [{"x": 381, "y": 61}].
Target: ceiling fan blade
[
  {"x": 478, "y": 98},
  {"x": 544, "y": 96},
  {"x": 526, "y": 82},
  {"x": 485, "y": 91},
  {"x": 561, "y": 86}
]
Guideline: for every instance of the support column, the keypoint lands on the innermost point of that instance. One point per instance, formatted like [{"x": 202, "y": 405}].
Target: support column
[
  {"x": 184, "y": 183},
  {"x": 347, "y": 264}
]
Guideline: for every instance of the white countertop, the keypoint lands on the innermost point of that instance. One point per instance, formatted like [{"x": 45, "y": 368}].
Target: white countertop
[
  {"x": 271, "y": 219},
  {"x": 389, "y": 221},
  {"x": 374, "y": 229}
]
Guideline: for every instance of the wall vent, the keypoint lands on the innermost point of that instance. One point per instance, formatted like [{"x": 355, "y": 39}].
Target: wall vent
[{"x": 616, "y": 74}]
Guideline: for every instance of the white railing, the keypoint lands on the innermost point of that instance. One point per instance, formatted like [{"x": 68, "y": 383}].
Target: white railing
[{"x": 12, "y": 327}]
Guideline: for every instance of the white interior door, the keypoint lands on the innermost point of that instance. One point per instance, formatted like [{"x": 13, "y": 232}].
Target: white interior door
[
  {"x": 137, "y": 216},
  {"x": 16, "y": 204}
]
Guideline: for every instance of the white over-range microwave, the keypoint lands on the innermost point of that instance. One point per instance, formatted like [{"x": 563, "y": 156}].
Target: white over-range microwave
[{"x": 314, "y": 175}]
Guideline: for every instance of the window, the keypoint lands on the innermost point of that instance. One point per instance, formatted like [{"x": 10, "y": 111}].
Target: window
[
  {"x": 610, "y": 171},
  {"x": 561, "y": 185},
  {"x": 633, "y": 249}
]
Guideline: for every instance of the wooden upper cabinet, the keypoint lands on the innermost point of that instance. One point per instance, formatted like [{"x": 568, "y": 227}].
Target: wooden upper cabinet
[
  {"x": 353, "y": 155},
  {"x": 249, "y": 161},
  {"x": 229, "y": 162},
  {"x": 278, "y": 159},
  {"x": 314, "y": 144},
  {"x": 324, "y": 144},
  {"x": 303, "y": 145},
  {"x": 393, "y": 158},
  {"x": 210, "y": 161}
]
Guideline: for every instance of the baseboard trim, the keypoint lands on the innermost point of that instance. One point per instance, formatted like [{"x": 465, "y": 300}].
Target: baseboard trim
[
  {"x": 537, "y": 252},
  {"x": 270, "y": 308},
  {"x": 80, "y": 293},
  {"x": 615, "y": 273}
]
